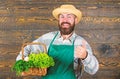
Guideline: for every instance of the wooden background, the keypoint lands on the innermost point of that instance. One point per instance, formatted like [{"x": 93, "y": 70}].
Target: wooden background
[{"x": 25, "y": 20}]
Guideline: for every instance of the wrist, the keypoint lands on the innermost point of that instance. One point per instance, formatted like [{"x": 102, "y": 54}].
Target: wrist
[{"x": 85, "y": 56}]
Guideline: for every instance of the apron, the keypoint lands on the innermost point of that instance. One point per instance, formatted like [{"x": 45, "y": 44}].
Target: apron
[{"x": 63, "y": 56}]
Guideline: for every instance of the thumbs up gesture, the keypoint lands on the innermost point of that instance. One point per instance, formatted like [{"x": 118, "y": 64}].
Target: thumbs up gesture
[{"x": 80, "y": 51}]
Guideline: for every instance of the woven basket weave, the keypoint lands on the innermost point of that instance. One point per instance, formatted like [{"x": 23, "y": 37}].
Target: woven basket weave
[{"x": 34, "y": 71}]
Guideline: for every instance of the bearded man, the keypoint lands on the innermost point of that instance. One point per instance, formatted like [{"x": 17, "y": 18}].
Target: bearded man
[{"x": 69, "y": 50}]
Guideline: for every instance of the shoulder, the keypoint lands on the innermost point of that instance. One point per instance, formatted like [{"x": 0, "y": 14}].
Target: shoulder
[
  {"x": 49, "y": 34},
  {"x": 80, "y": 41},
  {"x": 79, "y": 38},
  {"x": 46, "y": 37}
]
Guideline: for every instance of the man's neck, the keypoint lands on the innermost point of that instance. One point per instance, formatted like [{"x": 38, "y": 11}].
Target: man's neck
[{"x": 66, "y": 36}]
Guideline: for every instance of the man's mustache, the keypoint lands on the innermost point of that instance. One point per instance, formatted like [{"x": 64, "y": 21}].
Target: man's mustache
[{"x": 65, "y": 23}]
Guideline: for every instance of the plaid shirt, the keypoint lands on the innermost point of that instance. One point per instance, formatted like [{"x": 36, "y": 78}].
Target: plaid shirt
[{"x": 90, "y": 64}]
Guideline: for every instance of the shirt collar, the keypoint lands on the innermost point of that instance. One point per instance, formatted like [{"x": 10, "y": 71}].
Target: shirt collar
[{"x": 71, "y": 38}]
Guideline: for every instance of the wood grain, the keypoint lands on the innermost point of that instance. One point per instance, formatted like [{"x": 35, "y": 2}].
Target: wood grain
[{"x": 25, "y": 20}]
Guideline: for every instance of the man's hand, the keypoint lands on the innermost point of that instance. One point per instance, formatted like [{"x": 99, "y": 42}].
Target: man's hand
[{"x": 80, "y": 51}]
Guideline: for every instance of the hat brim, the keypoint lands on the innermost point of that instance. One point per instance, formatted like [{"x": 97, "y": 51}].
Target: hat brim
[{"x": 58, "y": 11}]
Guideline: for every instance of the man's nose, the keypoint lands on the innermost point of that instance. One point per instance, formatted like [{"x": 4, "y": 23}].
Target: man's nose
[{"x": 65, "y": 19}]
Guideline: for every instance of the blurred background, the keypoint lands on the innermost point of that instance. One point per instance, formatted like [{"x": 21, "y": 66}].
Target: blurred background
[{"x": 25, "y": 20}]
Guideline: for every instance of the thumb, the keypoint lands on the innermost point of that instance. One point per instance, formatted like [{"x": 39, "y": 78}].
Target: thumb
[{"x": 84, "y": 44}]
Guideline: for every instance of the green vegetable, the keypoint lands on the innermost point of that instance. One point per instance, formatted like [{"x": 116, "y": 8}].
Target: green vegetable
[
  {"x": 41, "y": 60},
  {"x": 21, "y": 66}
]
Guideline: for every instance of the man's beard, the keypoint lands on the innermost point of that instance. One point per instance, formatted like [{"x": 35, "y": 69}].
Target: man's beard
[{"x": 66, "y": 31}]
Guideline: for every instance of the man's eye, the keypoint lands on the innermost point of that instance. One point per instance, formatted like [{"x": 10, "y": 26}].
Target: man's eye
[
  {"x": 61, "y": 16},
  {"x": 69, "y": 16}
]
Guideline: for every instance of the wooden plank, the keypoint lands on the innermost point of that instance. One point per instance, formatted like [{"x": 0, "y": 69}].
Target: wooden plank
[
  {"x": 24, "y": 8},
  {"x": 94, "y": 36},
  {"x": 108, "y": 63},
  {"x": 28, "y": 23},
  {"x": 103, "y": 74},
  {"x": 99, "y": 23},
  {"x": 107, "y": 55},
  {"x": 100, "y": 36},
  {"x": 7, "y": 73},
  {"x": 104, "y": 63},
  {"x": 86, "y": 1},
  {"x": 8, "y": 53},
  {"x": 20, "y": 36},
  {"x": 106, "y": 50},
  {"x": 87, "y": 10},
  {"x": 14, "y": 37}
]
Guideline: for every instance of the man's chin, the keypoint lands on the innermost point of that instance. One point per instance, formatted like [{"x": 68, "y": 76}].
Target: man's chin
[
  {"x": 65, "y": 32},
  {"x": 65, "y": 26}
]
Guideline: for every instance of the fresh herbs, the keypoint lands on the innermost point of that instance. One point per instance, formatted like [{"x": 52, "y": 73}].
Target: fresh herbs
[
  {"x": 21, "y": 66},
  {"x": 41, "y": 60}
]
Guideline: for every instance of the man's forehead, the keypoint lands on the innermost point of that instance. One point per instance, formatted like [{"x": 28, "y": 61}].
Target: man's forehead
[{"x": 66, "y": 14}]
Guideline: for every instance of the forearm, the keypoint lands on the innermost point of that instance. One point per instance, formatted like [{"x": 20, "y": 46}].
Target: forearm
[
  {"x": 25, "y": 53},
  {"x": 91, "y": 64},
  {"x": 33, "y": 48}
]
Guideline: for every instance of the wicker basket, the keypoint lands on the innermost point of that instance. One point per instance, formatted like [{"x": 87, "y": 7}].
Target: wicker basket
[{"x": 34, "y": 71}]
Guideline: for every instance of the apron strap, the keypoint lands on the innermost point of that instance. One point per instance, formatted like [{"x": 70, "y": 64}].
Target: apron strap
[
  {"x": 54, "y": 38},
  {"x": 79, "y": 67}
]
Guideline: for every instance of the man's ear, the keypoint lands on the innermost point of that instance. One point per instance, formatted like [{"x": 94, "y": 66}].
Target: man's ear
[{"x": 76, "y": 20}]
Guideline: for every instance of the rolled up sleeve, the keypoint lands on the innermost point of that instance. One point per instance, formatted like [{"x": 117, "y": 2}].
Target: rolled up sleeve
[{"x": 91, "y": 65}]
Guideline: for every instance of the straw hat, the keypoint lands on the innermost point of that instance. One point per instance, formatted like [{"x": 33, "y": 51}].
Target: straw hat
[{"x": 67, "y": 9}]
